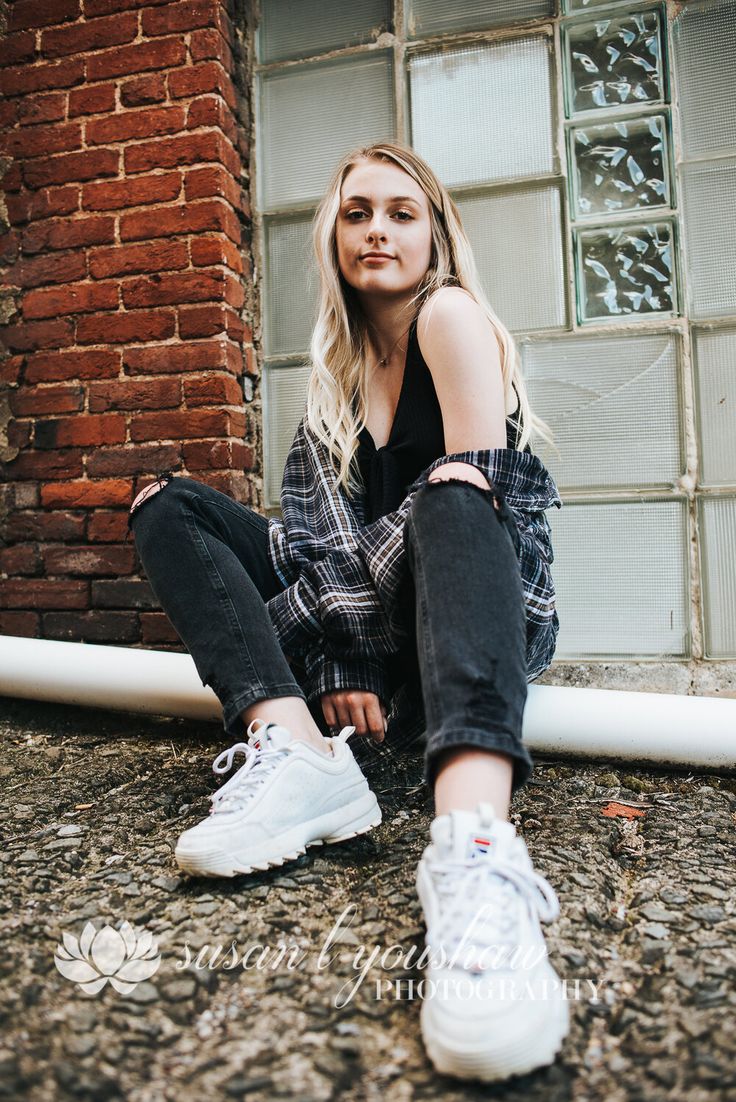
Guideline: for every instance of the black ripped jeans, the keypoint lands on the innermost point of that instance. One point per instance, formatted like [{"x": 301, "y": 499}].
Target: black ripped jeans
[{"x": 206, "y": 558}]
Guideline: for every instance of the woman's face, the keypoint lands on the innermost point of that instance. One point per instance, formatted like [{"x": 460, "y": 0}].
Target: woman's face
[{"x": 383, "y": 230}]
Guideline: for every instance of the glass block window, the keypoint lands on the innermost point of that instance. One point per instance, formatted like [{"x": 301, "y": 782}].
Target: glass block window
[{"x": 590, "y": 146}]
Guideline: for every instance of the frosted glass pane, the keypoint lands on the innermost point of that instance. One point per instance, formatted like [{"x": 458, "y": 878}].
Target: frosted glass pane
[
  {"x": 584, "y": 5},
  {"x": 284, "y": 401},
  {"x": 292, "y": 285},
  {"x": 484, "y": 112},
  {"x": 435, "y": 16},
  {"x": 709, "y": 206},
  {"x": 614, "y": 61},
  {"x": 517, "y": 242},
  {"x": 621, "y": 166},
  {"x": 612, "y": 404},
  {"x": 311, "y": 116},
  {"x": 620, "y": 573},
  {"x": 293, "y": 28},
  {"x": 626, "y": 270},
  {"x": 704, "y": 39},
  {"x": 715, "y": 373},
  {"x": 718, "y": 539}
]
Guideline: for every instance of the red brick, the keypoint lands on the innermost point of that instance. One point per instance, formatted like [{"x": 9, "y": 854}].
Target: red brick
[
  {"x": 92, "y": 627},
  {"x": 86, "y": 494},
  {"x": 135, "y": 325},
  {"x": 213, "y": 390},
  {"x": 118, "y": 194},
  {"x": 166, "y": 290},
  {"x": 67, "y": 233},
  {"x": 198, "y": 79},
  {"x": 8, "y": 113},
  {"x": 27, "y": 206},
  {"x": 79, "y": 364},
  {"x": 155, "y": 257},
  {"x": 86, "y": 431},
  {"x": 216, "y": 250},
  {"x": 43, "y": 593},
  {"x": 157, "y": 628},
  {"x": 22, "y": 558},
  {"x": 85, "y": 559},
  {"x": 23, "y": 625},
  {"x": 234, "y": 291},
  {"x": 206, "y": 321},
  {"x": 47, "y": 465},
  {"x": 19, "y": 435},
  {"x": 181, "y": 219},
  {"x": 107, "y": 527},
  {"x": 34, "y": 78},
  {"x": 48, "y": 107},
  {"x": 209, "y": 43},
  {"x": 140, "y": 459},
  {"x": 56, "y": 525},
  {"x": 94, "y": 34},
  {"x": 185, "y": 149},
  {"x": 212, "y": 111},
  {"x": 176, "y": 358},
  {"x": 31, "y": 401},
  {"x": 10, "y": 370},
  {"x": 211, "y": 181},
  {"x": 124, "y": 60},
  {"x": 28, "y": 336},
  {"x": 106, "y": 7},
  {"x": 82, "y": 298},
  {"x": 42, "y": 13},
  {"x": 66, "y": 167},
  {"x": 35, "y": 141},
  {"x": 143, "y": 90},
  {"x": 54, "y": 268},
  {"x": 187, "y": 424},
  {"x": 135, "y": 124},
  {"x": 19, "y": 47},
  {"x": 9, "y": 246},
  {"x": 146, "y": 393},
  {"x": 92, "y": 101},
  {"x": 201, "y": 455},
  {"x": 184, "y": 15}
]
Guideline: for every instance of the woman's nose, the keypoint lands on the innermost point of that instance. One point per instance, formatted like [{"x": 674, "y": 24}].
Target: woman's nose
[{"x": 376, "y": 228}]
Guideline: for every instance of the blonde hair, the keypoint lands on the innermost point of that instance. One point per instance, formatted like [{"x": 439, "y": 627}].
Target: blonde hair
[{"x": 337, "y": 383}]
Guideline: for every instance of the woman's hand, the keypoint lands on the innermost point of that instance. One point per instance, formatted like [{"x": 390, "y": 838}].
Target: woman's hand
[{"x": 355, "y": 708}]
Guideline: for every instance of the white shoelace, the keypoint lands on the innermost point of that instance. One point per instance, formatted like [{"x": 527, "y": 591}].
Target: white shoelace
[
  {"x": 259, "y": 763},
  {"x": 494, "y": 891}
]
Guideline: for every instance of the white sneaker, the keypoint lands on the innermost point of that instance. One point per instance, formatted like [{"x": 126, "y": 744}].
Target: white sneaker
[
  {"x": 493, "y": 1004},
  {"x": 286, "y": 796}
]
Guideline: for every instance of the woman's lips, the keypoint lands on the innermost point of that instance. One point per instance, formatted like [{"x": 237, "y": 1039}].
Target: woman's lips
[{"x": 376, "y": 259}]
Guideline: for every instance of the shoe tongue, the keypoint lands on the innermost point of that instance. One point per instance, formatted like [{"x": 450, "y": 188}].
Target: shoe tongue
[
  {"x": 473, "y": 835},
  {"x": 272, "y": 736}
]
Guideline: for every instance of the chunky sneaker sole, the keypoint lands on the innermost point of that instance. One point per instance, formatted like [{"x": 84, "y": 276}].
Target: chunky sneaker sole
[
  {"x": 535, "y": 1043},
  {"x": 246, "y": 832}
]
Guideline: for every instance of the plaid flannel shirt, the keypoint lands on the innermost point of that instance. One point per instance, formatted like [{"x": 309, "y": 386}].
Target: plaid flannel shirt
[{"x": 340, "y": 611}]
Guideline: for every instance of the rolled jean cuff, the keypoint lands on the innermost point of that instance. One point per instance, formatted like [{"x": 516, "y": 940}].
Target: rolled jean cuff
[
  {"x": 231, "y": 712},
  {"x": 474, "y": 738}
]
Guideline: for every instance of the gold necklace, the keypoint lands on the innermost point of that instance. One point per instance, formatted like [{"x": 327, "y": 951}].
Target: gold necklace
[{"x": 384, "y": 361}]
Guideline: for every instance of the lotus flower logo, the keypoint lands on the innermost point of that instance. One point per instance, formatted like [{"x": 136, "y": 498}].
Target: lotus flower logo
[{"x": 124, "y": 957}]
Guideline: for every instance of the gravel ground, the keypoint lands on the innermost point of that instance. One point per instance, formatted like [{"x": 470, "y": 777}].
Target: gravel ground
[{"x": 642, "y": 861}]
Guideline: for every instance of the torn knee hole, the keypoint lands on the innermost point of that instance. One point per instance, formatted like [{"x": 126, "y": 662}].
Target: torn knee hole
[{"x": 467, "y": 482}]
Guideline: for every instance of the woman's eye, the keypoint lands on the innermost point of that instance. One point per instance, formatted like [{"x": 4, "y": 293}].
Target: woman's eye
[
  {"x": 353, "y": 215},
  {"x": 404, "y": 215}
]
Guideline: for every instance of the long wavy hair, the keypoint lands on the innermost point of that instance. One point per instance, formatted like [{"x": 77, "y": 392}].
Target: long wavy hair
[{"x": 336, "y": 393}]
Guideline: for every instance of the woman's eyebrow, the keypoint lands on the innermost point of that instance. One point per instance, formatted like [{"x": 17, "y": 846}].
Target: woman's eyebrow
[{"x": 395, "y": 199}]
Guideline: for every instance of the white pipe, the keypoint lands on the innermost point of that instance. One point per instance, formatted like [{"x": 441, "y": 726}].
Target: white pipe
[{"x": 595, "y": 723}]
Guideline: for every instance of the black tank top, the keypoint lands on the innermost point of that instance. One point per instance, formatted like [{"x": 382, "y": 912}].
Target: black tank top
[{"x": 416, "y": 439}]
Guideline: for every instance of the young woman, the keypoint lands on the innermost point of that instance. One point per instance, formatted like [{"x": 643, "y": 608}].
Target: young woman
[{"x": 410, "y": 569}]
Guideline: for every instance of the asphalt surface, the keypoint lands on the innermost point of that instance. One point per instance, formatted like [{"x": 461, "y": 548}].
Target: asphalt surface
[{"x": 642, "y": 861}]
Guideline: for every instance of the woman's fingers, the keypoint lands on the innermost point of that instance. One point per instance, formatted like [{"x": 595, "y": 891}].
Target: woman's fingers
[
  {"x": 374, "y": 717},
  {"x": 362, "y": 710},
  {"x": 328, "y": 710}
]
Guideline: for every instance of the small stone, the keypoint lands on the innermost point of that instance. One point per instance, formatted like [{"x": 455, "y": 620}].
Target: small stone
[
  {"x": 80, "y": 1044},
  {"x": 69, "y": 830},
  {"x": 179, "y": 989},
  {"x": 707, "y": 912},
  {"x": 27, "y": 856},
  {"x": 143, "y": 992}
]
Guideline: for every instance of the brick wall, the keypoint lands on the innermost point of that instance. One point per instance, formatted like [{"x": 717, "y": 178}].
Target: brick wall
[{"x": 126, "y": 255}]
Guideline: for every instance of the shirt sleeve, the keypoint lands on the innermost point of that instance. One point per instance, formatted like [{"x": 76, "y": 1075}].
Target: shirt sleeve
[{"x": 324, "y": 675}]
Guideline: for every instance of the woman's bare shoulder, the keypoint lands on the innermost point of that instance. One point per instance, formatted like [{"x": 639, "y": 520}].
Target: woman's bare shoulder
[{"x": 453, "y": 304}]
